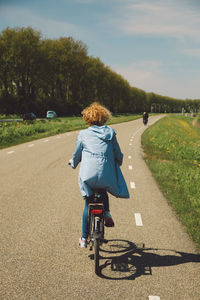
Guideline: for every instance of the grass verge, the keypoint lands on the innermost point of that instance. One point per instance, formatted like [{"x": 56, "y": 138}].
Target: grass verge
[
  {"x": 172, "y": 149},
  {"x": 13, "y": 133}
]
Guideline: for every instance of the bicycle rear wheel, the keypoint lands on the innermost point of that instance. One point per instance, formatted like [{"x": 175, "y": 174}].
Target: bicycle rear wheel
[{"x": 96, "y": 255}]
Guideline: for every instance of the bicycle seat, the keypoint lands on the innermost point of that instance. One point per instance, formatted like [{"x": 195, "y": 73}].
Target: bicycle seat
[{"x": 98, "y": 196}]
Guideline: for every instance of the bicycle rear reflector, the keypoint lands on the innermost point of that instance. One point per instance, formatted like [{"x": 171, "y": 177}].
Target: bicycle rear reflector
[{"x": 96, "y": 211}]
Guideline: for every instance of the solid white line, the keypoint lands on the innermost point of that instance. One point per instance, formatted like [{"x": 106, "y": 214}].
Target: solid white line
[
  {"x": 130, "y": 167},
  {"x": 132, "y": 184},
  {"x": 154, "y": 298},
  {"x": 31, "y": 145},
  {"x": 10, "y": 152},
  {"x": 129, "y": 157},
  {"x": 138, "y": 219}
]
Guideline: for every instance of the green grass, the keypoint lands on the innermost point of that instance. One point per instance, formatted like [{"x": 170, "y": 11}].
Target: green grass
[
  {"x": 13, "y": 133},
  {"x": 3, "y": 116},
  {"x": 172, "y": 149}
]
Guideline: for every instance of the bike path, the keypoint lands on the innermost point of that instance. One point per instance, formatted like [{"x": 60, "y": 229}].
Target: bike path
[{"x": 148, "y": 256}]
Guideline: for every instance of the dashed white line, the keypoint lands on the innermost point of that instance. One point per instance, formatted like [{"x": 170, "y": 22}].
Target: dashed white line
[
  {"x": 130, "y": 167},
  {"x": 129, "y": 157},
  {"x": 130, "y": 144},
  {"x": 31, "y": 145},
  {"x": 10, "y": 152},
  {"x": 137, "y": 132},
  {"x": 138, "y": 219},
  {"x": 154, "y": 298},
  {"x": 132, "y": 184}
]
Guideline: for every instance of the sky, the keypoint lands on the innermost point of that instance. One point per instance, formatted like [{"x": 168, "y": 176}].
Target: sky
[{"x": 153, "y": 44}]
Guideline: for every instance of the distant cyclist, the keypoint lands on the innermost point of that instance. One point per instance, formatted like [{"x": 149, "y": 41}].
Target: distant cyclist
[
  {"x": 145, "y": 117},
  {"x": 99, "y": 153}
]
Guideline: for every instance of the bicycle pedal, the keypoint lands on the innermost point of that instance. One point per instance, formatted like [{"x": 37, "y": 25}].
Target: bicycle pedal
[
  {"x": 104, "y": 241},
  {"x": 91, "y": 256}
]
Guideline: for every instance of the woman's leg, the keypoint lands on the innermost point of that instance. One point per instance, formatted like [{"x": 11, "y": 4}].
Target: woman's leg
[
  {"x": 85, "y": 220},
  {"x": 105, "y": 200},
  {"x": 108, "y": 218}
]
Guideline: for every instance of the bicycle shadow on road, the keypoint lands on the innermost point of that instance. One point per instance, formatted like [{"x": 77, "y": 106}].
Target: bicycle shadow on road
[{"x": 124, "y": 260}]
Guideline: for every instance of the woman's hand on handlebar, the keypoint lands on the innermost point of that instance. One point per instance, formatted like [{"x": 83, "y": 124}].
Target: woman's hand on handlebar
[{"x": 70, "y": 162}]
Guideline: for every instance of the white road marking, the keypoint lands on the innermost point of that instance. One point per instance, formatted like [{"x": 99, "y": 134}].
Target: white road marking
[
  {"x": 129, "y": 157},
  {"x": 10, "y": 152},
  {"x": 130, "y": 144},
  {"x": 137, "y": 132},
  {"x": 132, "y": 184},
  {"x": 154, "y": 298},
  {"x": 130, "y": 167},
  {"x": 138, "y": 219},
  {"x": 46, "y": 141},
  {"x": 31, "y": 145}
]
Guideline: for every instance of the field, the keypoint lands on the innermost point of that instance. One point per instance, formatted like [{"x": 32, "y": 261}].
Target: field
[
  {"x": 15, "y": 132},
  {"x": 172, "y": 150}
]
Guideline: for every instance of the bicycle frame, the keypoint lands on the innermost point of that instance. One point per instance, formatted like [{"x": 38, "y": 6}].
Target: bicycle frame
[
  {"x": 96, "y": 226},
  {"x": 95, "y": 222}
]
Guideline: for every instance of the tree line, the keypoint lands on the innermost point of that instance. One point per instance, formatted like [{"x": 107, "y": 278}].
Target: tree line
[{"x": 38, "y": 74}]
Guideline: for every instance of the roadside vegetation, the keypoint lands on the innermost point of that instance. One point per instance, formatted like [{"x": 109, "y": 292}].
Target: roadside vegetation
[
  {"x": 39, "y": 74},
  {"x": 9, "y": 117},
  {"x": 172, "y": 150},
  {"x": 15, "y": 132}
]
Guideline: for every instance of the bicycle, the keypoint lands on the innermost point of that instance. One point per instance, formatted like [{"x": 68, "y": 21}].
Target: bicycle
[
  {"x": 96, "y": 225},
  {"x": 145, "y": 118},
  {"x": 145, "y": 121}
]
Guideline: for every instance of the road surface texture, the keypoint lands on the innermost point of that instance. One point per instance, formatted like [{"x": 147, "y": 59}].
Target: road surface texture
[{"x": 148, "y": 256}]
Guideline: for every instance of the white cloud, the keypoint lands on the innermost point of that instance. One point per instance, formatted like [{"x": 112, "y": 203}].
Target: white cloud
[
  {"x": 161, "y": 18},
  {"x": 17, "y": 16},
  {"x": 143, "y": 74},
  {"x": 194, "y": 52},
  {"x": 149, "y": 76}
]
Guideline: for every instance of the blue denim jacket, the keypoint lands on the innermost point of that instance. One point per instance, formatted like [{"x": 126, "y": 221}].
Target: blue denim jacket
[{"x": 99, "y": 153}]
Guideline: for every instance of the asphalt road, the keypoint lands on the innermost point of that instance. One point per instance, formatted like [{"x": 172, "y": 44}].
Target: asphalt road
[{"x": 149, "y": 255}]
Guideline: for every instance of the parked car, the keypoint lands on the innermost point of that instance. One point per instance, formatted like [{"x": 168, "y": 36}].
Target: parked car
[
  {"x": 29, "y": 116},
  {"x": 51, "y": 114}
]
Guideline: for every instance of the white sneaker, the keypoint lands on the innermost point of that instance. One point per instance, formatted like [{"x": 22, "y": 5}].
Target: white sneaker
[{"x": 83, "y": 243}]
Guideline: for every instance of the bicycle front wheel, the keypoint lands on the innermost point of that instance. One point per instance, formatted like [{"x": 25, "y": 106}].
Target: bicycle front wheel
[{"x": 96, "y": 255}]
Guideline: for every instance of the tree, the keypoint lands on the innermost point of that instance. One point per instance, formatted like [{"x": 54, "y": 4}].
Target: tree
[
  {"x": 20, "y": 73},
  {"x": 43, "y": 74}
]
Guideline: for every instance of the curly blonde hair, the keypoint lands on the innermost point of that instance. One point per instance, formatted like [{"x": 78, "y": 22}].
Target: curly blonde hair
[{"x": 96, "y": 114}]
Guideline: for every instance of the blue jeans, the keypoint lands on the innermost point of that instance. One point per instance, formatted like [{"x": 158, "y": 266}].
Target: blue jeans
[{"x": 85, "y": 212}]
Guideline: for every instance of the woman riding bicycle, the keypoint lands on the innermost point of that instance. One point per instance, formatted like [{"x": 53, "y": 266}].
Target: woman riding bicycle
[{"x": 99, "y": 153}]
